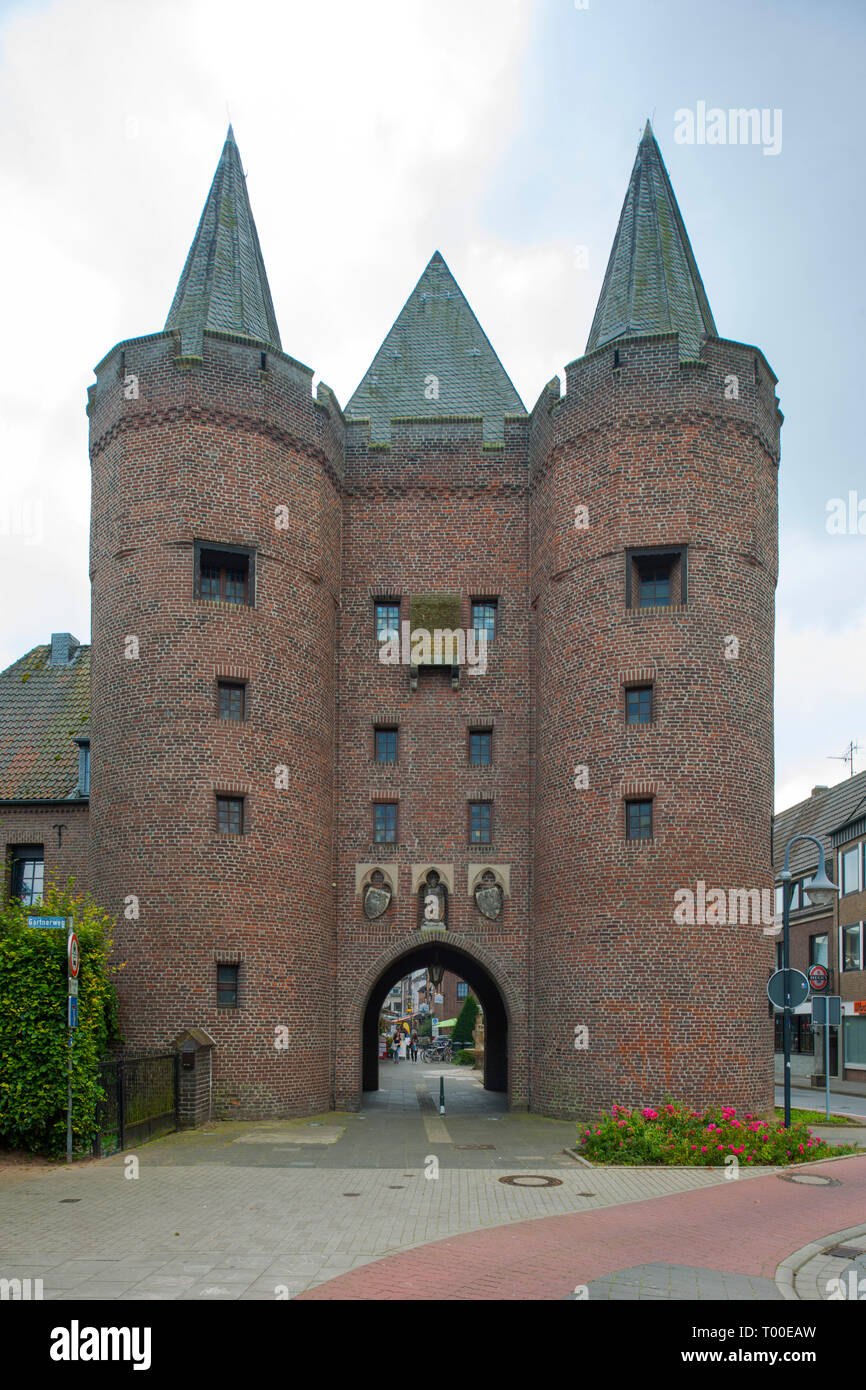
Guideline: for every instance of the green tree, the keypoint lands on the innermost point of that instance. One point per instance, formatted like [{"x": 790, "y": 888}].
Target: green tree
[
  {"x": 34, "y": 1040},
  {"x": 465, "y": 1026}
]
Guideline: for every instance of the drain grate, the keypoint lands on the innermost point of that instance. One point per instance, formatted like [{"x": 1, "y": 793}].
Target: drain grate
[
  {"x": 846, "y": 1252},
  {"x": 70, "y": 1199},
  {"x": 531, "y": 1180},
  {"x": 351, "y": 1194}
]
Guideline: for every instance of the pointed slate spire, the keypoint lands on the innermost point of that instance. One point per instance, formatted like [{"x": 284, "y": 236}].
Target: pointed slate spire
[
  {"x": 652, "y": 283},
  {"x": 224, "y": 285},
  {"x": 435, "y": 361}
]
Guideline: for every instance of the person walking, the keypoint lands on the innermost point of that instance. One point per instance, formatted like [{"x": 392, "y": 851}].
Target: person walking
[
  {"x": 413, "y": 1046},
  {"x": 396, "y": 1046}
]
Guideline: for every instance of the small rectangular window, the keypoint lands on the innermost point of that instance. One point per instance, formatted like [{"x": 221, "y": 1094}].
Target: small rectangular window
[
  {"x": 387, "y": 619},
  {"x": 223, "y": 574},
  {"x": 386, "y": 745},
  {"x": 852, "y": 947},
  {"x": 819, "y": 950},
  {"x": 28, "y": 866},
  {"x": 232, "y": 701},
  {"x": 83, "y": 788},
  {"x": 639, "y": 820},
  {"x": 655, "y": 578},
  {"x": 227, "y": 986},
  {"x": 230, "y": 814},
  {"x": 480, "y": 822},
  {"x": 462, "y": 989},
  {"x": 385, "y": 822},
  {"x": 639, "y": 704},
  {"x": 851, "y": 869},
  {"x": 484, "y": 617},
  {"x": 480, "y": 747}
]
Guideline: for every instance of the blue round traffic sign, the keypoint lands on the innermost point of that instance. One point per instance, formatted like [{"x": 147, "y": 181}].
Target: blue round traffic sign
[{"x": 787, "y": 983}]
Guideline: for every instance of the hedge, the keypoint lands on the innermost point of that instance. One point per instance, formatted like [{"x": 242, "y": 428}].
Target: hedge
[{"x": 34, "y": 1039}]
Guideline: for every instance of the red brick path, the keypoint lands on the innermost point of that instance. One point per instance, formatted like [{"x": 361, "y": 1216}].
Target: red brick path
[{"x": 741, "y": 1227}]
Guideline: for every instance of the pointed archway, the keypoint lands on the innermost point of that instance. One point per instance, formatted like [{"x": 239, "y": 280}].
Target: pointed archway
[{"x": 440, "y": 951}]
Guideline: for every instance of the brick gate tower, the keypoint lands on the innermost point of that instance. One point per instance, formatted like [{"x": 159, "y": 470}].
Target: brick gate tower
[
  {"x": 654, "y": 561},
  {"x": 274, "y": 806},
  {"x": 215, "y": 565}
]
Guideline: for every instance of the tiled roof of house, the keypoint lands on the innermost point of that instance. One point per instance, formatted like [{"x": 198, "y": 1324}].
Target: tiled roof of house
[
  {"x": 224, "y": 285},
  {"x": 436, "y": 361},
  {"x": 820, "y": 814},
  {"x": 652, "y": 283},
  {"x": 43, "y": 707}
]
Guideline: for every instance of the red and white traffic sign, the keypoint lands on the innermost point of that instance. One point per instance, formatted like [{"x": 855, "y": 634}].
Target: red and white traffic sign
[{"x": 74, "y": 956}]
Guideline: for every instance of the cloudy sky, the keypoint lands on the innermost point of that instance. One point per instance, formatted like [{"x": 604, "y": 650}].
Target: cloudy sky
[{"x": 500, "y": 131}]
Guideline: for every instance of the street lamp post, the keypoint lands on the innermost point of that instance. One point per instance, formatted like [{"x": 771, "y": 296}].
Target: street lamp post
[{"x": 821, "y": 892}]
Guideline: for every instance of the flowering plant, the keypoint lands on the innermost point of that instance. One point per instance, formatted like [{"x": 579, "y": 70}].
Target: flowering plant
[{"x": 677, "y": 1134}]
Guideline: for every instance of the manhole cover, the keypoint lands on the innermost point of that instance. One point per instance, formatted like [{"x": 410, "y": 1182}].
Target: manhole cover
[
  {"x": 474, "y": 1146},
  {"x": 531, "y": 1180},
  {"x": 809, "y": 1179}
]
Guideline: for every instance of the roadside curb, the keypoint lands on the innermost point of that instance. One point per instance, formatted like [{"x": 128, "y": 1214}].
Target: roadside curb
[{"x": 803, "y": 1275}]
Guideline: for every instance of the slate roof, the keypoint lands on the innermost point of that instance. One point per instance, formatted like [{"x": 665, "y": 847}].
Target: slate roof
[
  {"x": 436, "y": 335},
  {"x": 224, "y": 285},
  {"x": 42, "y": 708},
  {"x": 818, "y": 815},
  {"x": 652, "y": 283}
]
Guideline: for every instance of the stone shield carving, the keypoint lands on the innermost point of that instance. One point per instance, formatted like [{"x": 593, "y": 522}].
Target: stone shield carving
[
  {"x": 489, "y": 897},
  {"x": 377, "y": 897}
]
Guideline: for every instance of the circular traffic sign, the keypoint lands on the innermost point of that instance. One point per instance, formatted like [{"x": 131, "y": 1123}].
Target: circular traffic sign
[
  {"x": 818, "y": 976},
  {"x": 778, "y": 990},
  {"x": 74, "y": 956}
]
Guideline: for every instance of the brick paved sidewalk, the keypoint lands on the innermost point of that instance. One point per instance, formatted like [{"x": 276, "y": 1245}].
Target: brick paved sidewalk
[{"x": 743, "y": 1229}]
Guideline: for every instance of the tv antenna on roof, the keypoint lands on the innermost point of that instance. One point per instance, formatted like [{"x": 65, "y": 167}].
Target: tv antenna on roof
[{"x": 847, "y": 756}]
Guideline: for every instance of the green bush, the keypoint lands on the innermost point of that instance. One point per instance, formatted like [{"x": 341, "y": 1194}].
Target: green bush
[
  {"x": 426, "y": 1029},
  {"x": 34, "y": 1039},
  {"x": 464, "y": 1028},
  {"x": 676, "y": 1134},
  {"x": 465, "y": 1058}
]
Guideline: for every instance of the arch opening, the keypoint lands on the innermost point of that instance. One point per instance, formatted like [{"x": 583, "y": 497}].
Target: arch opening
[{"x": 481, "y": 983}]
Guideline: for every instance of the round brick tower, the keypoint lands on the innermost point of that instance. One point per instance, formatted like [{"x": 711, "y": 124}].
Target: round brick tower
[
  {"x": 654, "y": 561},
  {"x": 215, "y": 574}
]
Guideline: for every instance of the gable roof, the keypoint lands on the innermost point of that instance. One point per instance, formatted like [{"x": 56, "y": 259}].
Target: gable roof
[
  {"x": 652, "y": 283},
  {"x": 224, "y": 285},
  {"x": 820, "y": 815},
  {"x": 42, "y": 709},
  {"x": 435, "y": 335}
]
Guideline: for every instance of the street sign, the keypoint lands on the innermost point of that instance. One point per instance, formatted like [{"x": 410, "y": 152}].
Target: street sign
[
  {"x": 778, "y": 989},
  {"x": 73, "y": 987},
  {"x": 74, "y": 956},
  {"x": 73, "y": 1011},
  {"x": 55, "y": 923},
  {"x": 819, "y": 977},
  {"x": 827, "y": 1010},
  {"x": 860, "y": 1006}
]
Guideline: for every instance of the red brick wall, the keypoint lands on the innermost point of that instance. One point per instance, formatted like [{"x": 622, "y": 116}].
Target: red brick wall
[
  {"x": 209, "y": 452},
  {"x": 587, "y": 938},
  {"x": 660, "y": 457},
  {"x": 64, "y": 859},
  {"x": 435, "y": 512}
]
